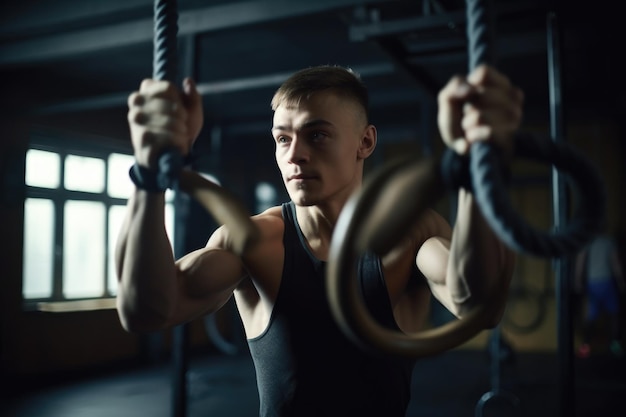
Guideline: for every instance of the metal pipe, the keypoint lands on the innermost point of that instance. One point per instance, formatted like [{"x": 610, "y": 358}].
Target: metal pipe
[{"x": 562, "y": 266}]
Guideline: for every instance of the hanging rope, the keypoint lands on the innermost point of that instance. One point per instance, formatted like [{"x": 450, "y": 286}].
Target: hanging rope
[
  {"x": 225, "y": 208},
  {"x": 165, "y": 67},
  {"x": 491, "y": 195},
  {"x": 165, "y": 56},
  {"x": 489, "y": 188},
  {"x": 479, "y": 32}
]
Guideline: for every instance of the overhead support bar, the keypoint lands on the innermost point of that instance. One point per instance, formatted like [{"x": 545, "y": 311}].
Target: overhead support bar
[
  {"x": 505, "y": 46},
  {"x": 362, "y": 32},
  {"x": 207, "y": 19},
  {"x": 209, "y": 88},
  {"x": 453, "y": 20}
]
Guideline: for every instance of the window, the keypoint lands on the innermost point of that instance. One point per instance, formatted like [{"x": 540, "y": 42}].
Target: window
[{"x": 74, "y": 207}]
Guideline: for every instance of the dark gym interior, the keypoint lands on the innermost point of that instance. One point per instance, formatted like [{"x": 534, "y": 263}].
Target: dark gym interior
[{"x": 66, "y": 70}]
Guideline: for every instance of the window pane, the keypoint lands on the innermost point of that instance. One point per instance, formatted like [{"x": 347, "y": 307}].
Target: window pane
[
  {"x": 38, "y": 248},
  {"x": 83, "y": 173},
  {"x": 42, "y": 168},
  {"x": 83, "y": 249},
  {"x": 116, "y": 218},
  {"x": 119, "y": 184}
]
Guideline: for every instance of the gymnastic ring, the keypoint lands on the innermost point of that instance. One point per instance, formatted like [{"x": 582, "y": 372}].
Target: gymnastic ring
[
  {"x": 393, "y": 199},
  {"x": 356, "y": 233},
  {"x": 225, "y": 208}
]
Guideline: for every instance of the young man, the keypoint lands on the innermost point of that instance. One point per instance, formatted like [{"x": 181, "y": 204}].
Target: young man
[{"x": 305, "y": 366}]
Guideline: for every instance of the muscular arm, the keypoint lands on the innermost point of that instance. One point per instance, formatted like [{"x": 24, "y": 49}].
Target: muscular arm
[
  {"x": 145, "y": 264},
  {"x": 471, "y": 267},
  {"x": 482, "y": 264},
  {"x": 154, "y": 291},
  {"x": 482, "y": 107}
]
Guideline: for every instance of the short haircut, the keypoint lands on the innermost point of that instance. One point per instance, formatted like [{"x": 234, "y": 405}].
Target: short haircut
[{"x": 304, "y": 83}]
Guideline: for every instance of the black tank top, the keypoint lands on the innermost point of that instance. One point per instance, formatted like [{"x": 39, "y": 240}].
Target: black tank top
[{"x": 305, "y": 366}]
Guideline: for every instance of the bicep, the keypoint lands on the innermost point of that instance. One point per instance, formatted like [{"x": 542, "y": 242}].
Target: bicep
[
  {"x": 433, "y": 236},
  {"x": 432, "y": 261},
  {"x": 433, "y": 253},
  {"x": 207, "y": 279},
  {"x": 209, "y": 272}
]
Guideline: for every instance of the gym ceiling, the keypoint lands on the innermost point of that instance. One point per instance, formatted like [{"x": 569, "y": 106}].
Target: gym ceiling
[{"x": 79, "y": 59}]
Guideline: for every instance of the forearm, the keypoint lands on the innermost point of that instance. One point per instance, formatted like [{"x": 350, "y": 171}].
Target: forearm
[
  {"x": 145, "y": 264},
  {"x": 480, "y": 266}
]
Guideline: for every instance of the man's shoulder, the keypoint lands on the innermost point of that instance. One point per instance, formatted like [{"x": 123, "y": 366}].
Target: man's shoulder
[
  {"x": 270, "y": 221},
  {"x": 271, "y": 214}
]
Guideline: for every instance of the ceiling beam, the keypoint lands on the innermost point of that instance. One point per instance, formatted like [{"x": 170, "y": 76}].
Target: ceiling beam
[
  {"x": 531, "y": 43},
  {"x": 21, "y": 19},
  {"x": 365, "y": 31},
  {"x": 223, "y": 16},
  {"x": 217, "y": 87},
  {"x": 453, "y": 21}
]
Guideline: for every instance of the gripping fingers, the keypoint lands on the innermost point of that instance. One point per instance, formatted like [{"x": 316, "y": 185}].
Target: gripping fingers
[
  {"x": 493, "y": 124},
  {"x": 159, "y": 114},
  {"x": 450, "y": 101},
  {"x": 487, "y": 76},
  {"x": 484, "y": 106},
  {"x": 156, "y": 122},
  {"x": 501, "y": 119},
  {"x": 494, "y": 113}
]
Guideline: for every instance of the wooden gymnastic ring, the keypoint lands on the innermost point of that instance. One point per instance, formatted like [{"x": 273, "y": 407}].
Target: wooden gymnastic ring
[
  {"x": 418, "y": 186},
  {"x": 225, "y": 208}
]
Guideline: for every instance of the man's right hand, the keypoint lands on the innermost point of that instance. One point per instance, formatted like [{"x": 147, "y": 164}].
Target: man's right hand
[{"x": 161, "y": 116}]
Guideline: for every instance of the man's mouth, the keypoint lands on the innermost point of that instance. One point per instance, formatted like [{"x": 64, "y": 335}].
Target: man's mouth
[{"x": 300, "y": 177}]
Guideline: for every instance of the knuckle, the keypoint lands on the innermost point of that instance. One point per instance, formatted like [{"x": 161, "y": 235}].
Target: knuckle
[
  {"x": 454, "y": 82},
  {"x": 136, "y": 99},
  {"x": 132, "y": 115},
  {"x": 136, "y": 116},
  {"x": 145, "y": 84}
]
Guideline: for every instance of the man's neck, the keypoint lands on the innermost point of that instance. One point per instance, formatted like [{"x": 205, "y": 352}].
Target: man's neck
[{"x": 317, "y": 224}]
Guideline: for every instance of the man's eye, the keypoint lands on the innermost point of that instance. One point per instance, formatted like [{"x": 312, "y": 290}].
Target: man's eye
[
  {"x": 282, "y": 139},
  {"x": 318, "y": 135}
]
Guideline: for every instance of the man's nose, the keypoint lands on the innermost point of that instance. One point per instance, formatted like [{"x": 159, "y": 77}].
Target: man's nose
[{"x": 298, "y": 151}]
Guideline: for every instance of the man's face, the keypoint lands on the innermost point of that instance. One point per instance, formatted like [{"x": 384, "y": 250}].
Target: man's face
[{"x": 317, "y": 148}]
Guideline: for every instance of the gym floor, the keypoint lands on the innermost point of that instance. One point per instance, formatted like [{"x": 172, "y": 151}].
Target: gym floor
[{"x": 448, "y": 385}]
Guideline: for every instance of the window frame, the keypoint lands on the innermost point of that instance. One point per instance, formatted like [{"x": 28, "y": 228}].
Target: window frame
[{"x": 64, "y": 144}]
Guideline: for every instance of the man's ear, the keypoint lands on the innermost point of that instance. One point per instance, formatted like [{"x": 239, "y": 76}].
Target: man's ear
[{"x": 368, "y": 142}]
